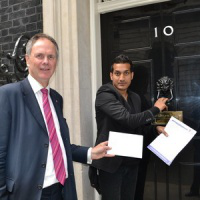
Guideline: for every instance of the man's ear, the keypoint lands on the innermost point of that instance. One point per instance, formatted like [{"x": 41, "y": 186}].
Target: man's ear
[
  {"x": 111, "y": 76},
  {"x": 132, "y": 73},
  {"x": 27, "y": 59}
]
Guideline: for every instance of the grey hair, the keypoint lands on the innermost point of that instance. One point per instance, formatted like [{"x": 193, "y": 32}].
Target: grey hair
[{"x": 38, "y": 36}]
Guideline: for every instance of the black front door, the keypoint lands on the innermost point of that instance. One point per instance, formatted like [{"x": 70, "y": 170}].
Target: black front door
[{"x": 162, "y": 40}]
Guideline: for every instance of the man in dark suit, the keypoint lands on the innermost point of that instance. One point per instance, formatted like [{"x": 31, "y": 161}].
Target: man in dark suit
[
  {"x": 119, "y": 109},
  {"x": 35, "y": 151}
]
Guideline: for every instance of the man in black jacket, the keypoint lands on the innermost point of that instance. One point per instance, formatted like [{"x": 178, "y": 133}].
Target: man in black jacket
[{"x": 119, "y": 110}]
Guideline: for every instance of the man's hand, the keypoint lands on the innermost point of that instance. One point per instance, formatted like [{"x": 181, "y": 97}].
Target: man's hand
[
  {"x": 100, "y": 151},
  {"x": 161, "y": 129},
  {"x": 161, "y": 103}
]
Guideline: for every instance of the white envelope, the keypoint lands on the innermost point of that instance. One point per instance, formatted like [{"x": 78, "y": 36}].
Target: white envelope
[{"x": 124, "y": 144}]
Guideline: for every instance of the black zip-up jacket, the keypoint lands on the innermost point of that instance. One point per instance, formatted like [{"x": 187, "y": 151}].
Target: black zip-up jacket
[{"x": 114, "y": 113}]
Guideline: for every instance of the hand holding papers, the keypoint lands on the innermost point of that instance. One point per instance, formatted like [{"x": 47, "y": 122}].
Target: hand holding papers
[
  {"x": 179, "y": 135},
  {"x": 124, "y": 144}
]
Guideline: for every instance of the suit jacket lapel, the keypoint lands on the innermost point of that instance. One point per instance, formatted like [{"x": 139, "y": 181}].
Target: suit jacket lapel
[{"x": 31, "y": 102}]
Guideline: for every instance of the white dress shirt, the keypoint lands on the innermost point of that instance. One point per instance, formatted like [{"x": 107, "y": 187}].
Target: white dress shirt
[{"x": 50, "y": 175}]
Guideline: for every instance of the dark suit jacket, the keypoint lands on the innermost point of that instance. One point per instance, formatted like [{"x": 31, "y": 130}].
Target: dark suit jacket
[
  {"x": 113, "y": 114},
  {"x": 24, "y": 144}
]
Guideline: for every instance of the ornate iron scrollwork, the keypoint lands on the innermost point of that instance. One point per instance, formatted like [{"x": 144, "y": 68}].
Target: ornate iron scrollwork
[{"x": 17, "y": 57}]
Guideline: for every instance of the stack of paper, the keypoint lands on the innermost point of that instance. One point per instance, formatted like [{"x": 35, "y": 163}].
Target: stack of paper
[{"x": 167, "y": 148}]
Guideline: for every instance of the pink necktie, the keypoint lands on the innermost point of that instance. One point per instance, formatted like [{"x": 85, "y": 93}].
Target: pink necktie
[{"x": 57, "y": 153}]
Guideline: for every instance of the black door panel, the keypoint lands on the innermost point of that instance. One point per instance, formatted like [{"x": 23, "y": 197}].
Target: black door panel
[{"x": 162, "y": 40}]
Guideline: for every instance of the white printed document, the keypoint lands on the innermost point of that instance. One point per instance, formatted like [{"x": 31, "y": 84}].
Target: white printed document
[
  {"x": 167, "y": 148},
  {"x": 124, "y": 144}
]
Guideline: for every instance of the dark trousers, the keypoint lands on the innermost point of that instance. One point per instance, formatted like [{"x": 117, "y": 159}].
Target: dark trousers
[
  {"x": 119, "y": 185},
  {"x": 53, "y": 192},
  {"x": 142, "y": 172}
]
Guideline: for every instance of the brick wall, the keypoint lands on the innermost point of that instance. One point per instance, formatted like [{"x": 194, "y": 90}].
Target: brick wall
[{"x": 18, "y": 17}]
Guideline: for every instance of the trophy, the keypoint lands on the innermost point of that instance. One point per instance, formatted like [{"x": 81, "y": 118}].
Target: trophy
[{"x": 165, "y": 89}]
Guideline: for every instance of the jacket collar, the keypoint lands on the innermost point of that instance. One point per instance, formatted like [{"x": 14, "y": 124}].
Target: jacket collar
[{"x": 31, "y": 102}]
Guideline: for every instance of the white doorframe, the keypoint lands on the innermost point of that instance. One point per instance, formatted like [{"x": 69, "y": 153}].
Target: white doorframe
[{"x": 97, "y": 8}]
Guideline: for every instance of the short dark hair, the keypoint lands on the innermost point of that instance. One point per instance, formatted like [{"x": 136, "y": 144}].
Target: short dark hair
[
  {"x": 121, "y": 59},
  {"x": 38, "y": 36}
]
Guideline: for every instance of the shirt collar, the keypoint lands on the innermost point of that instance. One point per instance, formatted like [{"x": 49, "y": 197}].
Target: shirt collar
[{"x": 36, "y": 86}]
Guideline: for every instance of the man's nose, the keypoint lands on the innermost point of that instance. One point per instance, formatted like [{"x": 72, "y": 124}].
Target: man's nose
[
  {"x": 45, "y": 60},
  {"x": 121, "y": 77}
]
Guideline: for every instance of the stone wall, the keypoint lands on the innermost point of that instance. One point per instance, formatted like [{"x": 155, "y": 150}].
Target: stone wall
[{"x": 18, "y": 17}]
